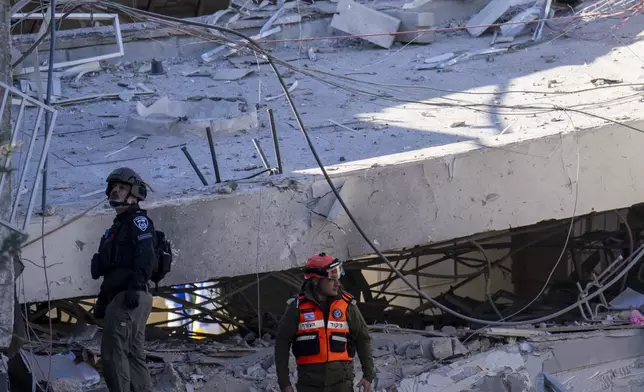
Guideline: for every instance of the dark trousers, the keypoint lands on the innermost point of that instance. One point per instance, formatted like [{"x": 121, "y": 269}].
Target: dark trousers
[{"x": 122, "y": 345}]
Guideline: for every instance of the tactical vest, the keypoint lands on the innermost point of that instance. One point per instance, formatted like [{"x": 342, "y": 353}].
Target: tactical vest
[
  {"x": 116, "y": 249},
  {"x": 316, "y": 342}
]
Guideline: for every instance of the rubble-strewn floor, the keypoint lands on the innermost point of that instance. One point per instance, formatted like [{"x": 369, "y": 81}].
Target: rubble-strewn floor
[
  {"x": 409, "y": 362},
  {"x": 86, "y": 133}
]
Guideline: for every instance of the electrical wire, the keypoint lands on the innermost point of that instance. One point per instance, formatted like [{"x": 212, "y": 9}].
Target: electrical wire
[
  {"x": 488, "y": 279},
  {"x": 451, "y": 29},
  {"x": 472, "y": 106},
  {"x": 50, "y": 88},
  {"x": 62, "y": 225},
  {"x": 256, "y": 46},
  {"x": 334, "y": 189}
]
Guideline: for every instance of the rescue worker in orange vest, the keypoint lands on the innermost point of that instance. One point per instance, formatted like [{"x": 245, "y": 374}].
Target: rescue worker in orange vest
[{"x": 325, "y": 328}]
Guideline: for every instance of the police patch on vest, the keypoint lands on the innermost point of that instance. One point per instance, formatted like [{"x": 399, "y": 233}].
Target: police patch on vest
[
  {"x": 141, "y": 222},
  {"x": 337, "y": 314},
  {"x": 309, "y": 316}
]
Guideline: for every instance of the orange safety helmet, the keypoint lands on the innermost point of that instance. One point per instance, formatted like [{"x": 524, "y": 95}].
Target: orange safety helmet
[{"x": 321, "y": 266}]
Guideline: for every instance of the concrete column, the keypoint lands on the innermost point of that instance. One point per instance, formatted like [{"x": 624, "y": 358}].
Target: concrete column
[{"x": 9, "y": 241}]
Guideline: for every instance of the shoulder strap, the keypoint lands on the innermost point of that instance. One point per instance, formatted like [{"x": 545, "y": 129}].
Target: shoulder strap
[{"x": 347, "y": 297}]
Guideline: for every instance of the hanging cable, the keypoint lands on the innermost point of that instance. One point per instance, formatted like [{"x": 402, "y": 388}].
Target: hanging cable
[{"x": 635, "y": 258}]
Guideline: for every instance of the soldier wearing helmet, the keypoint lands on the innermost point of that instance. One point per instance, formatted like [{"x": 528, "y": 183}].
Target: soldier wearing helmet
[
  {"x": 324, "y": 328},
  {"x": 125, "y": 259}
]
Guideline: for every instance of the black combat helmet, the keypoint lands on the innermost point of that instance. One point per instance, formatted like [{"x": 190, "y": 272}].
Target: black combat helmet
[{"x": 126, "y": 175}]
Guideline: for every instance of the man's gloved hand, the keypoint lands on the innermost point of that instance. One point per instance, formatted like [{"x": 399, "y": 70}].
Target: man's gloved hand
[
  {"x": 131, "y": 300},
  {"x": 96, "y": 266},
  {"x": 99, "y": 309}
]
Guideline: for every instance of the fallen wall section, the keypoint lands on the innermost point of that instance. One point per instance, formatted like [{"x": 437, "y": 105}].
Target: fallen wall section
[{"x": 401, "y": 200}]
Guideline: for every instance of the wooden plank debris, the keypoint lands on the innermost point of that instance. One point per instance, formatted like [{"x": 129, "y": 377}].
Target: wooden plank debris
[
  {"x": 490, "y": 14},
  {"x": 354, "y": 18}
]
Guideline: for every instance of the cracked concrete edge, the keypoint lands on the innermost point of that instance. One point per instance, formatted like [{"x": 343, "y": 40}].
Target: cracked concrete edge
[{"x": 413, "y": 199}]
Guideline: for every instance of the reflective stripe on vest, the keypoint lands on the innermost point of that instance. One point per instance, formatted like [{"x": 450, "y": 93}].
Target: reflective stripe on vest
[{"x": 316, "y": 342}]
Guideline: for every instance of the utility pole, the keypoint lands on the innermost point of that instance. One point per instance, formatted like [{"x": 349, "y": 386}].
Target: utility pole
[{"x": 9, "y": 239}]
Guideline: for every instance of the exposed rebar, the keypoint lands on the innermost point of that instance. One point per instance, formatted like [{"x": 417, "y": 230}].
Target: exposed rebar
[
  {"x": 213, "y": 155},
  {"x": 194, "y": 165},
  {"x": 276, "y": 144}
]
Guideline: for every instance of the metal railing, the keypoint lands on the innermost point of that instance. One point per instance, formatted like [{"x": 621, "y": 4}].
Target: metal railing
[{"x": 23, "y": 140}]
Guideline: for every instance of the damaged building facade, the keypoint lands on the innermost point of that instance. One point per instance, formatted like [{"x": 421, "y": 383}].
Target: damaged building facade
[{"x": 489, "y": 149}]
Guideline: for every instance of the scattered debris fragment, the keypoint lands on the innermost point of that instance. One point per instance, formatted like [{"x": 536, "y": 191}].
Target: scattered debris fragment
[
  {"x": 414, "y": 21},
  {"x": 490, "y": 14},
  {"x": 162, "y": 107},
  {"x": 291, "y": 88},
  {"x": 311, "y": 54},
  {"x": 213, "y": 54},
  {"x": 604, "y": 81},
  {"x": 232, "y": 73},
  {"x": 355, "y": 18},
  {"x": 449, "y": 59},
  {"x": 520, "y": 21},
  {"x": 97, "y": 97}
]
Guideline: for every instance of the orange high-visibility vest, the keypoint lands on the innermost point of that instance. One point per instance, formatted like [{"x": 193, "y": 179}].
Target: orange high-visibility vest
[{"x": 316, "y": 342}]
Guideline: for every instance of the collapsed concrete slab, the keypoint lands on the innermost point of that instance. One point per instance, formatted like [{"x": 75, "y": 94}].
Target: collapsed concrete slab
[
  {"x": 412, "y": 21},
  {"x": 355, "y": 18},
  {"x": 401, "y": 200}
]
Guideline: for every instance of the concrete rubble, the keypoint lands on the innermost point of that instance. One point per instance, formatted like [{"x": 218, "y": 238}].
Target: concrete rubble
[
  {"x": 591, "y": 361},
  {"x": 120, "y": 111}
]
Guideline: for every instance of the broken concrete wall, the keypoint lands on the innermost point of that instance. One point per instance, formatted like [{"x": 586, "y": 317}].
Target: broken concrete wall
[
  {"x": 8, "y": 239},
  {"x": 142, "y": 43},
  {"x": 589, "y": 361},
  {"x": 401, "y": 200}
]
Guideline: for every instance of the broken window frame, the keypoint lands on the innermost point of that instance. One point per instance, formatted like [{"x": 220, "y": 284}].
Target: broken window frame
[
  {"x": 78, "y": 16},
  {"x": 8, "y": 93}
]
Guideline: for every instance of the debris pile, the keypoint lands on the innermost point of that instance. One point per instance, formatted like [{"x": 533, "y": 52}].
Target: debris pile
[
  {"x": 158, "y": 106},
  {"x": 507, "y": 360}
]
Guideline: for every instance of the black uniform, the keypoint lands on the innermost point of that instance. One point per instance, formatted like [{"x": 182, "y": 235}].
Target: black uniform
[{"x": 125, "y": 259}]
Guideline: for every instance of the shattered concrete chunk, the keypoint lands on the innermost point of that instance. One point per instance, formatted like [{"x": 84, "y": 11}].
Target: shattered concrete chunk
[
  {"x": 355, "y": 18},
  {"x": 491, "y": 384},
  {"x": 490, "y": 14},
  {"x": 441, "y": 348},
  {"x": 412, "y": 21},
  {"x": 226, "y": 383},
  {"x": 519, "y": 22},
  {"x": 384, "y": 380},
  {"x": 170, "y": 381},
  {"x": 458, "y": 348},
  {"x": 163, "y": 107},
  {"x": 256, "y": 372},
  {"x": 518, "y": 382},
  {"x": 498, "y": 360},
  {"x": 414, "y": 350},
  {"x": 466, "y": 372},
  {"x": 448, "y": 329},
  {"x": 473, "y": 345}
]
